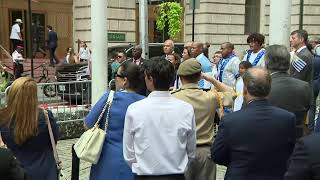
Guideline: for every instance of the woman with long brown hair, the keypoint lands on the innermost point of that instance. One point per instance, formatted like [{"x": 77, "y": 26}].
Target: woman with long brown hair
[{"x": 24, "y": 130}]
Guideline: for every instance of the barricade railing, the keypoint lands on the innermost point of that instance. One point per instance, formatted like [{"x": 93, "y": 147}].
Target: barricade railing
[{"x": 68, "y": 101}]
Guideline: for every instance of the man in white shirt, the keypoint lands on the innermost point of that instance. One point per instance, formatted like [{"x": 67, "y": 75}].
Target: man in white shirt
[
  {"x": 159, "y": 136},
  {"x": 18, "y": 62},
  {"x": 15, "y": 35},
  {"x": 255, "y": 55}
]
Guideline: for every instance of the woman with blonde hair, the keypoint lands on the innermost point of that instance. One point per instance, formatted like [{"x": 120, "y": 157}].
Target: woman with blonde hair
[{"x": 24, "y": 130}]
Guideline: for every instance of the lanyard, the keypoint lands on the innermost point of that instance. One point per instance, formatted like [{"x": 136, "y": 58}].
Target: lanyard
[
  {"x": 223, "y": 64},
  {"x": 259, "y": 56}
]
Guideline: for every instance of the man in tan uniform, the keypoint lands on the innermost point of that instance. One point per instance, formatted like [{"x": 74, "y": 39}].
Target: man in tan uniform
[{"x": 205, "y": 105}]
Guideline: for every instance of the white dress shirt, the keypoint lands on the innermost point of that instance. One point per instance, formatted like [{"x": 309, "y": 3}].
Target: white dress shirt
[
  {"x": 14, "y": 32},
  {"x": 239, "y": 91},
  {"x": 159, "y": 135},
  {"x": 84, "y": 53},
  {"x": 317, "y": 50},
  {"x": 17, "y": 57},
  {"x": 253, "y": 56},
  {"x": 300, "y": 49}
]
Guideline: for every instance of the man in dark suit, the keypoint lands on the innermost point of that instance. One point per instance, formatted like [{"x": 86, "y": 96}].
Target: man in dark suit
[
  {"x": 52, "y": 45},
  {"x": 168, "y": 48},
  {"x": 305, "y": 160},
  {"x": 255, "y": 142},
  {"x": 289, "y": 93},
  {"x": 136, "y": 55},
  {"x": 302, "y": 63}
]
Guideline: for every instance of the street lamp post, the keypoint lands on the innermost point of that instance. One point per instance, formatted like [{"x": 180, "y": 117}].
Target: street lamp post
[
  {"x": 30, "y": 36},
  {"x": 143, "y": 26}
]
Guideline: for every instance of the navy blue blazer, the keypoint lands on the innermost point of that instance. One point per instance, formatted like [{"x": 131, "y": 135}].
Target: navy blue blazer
[
  {"x": 255, "y": 142},
  {"x": 52, "y": 39}
]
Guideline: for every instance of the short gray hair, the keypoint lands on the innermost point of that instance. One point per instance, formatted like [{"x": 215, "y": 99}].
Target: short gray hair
[{"x": 277, "y": 58}]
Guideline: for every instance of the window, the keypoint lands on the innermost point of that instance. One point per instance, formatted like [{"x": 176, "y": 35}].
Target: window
[{"x": 252, "y": 16}]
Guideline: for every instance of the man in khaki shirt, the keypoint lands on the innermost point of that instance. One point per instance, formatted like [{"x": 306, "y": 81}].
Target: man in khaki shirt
[{"x": 205, "y": 105}]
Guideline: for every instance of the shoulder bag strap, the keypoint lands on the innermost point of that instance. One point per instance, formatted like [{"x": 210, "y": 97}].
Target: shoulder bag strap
[
  {"x": 110, "y": 96},
  {"x": 53, "y": 143},
  {"x": 109, "y": 101}
]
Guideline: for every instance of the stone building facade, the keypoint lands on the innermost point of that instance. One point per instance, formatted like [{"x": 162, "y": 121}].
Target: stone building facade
[
  {"x": 121, "y": 19},
  {"x": 216, "y": 21}
]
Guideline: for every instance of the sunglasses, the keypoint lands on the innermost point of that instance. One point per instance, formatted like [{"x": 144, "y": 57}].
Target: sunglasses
[{"x": 119, "y": 75}]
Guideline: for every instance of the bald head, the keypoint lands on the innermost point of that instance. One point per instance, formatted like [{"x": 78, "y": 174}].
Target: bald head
[
  {"x": 168, "y": 47},
  {"x": 257, "y": 82}
]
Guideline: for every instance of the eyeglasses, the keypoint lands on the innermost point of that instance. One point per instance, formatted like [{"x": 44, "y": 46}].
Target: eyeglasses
[{"x": 120, "y": 56}]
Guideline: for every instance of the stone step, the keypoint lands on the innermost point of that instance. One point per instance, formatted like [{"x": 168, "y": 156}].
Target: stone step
[{"x": 37, "y": 67}]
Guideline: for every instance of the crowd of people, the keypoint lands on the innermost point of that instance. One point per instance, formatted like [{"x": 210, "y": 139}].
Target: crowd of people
[{"x": 162, "y": 123}]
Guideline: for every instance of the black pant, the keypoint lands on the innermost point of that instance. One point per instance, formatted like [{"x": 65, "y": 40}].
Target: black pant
[
  {"x": 18, "y": 70},
  {"x": 15, "y": 43},
  {"x": 52, "y": 51},
  {"x": 161, "y": 177},
  {"x": 312, "y": 111}
]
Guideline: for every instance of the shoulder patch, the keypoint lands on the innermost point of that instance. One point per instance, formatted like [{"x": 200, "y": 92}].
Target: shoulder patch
[{"x": 299, "y": 64}]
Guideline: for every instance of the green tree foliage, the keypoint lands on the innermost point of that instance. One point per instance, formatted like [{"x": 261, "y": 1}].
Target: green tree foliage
[{"x": 170, "y": 12}]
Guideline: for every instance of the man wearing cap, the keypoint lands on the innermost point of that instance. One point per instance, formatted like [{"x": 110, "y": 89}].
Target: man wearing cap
[
  {"x": 204, "y": 105},
  {"x": 17, "y": 62},
  {"x": 15, "y": 35}
]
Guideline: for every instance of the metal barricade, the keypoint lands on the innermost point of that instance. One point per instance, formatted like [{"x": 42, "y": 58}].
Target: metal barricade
[{"x": 68, "y": 101}]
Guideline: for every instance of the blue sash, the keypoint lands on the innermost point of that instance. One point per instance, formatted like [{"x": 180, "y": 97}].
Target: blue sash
[
  {"x": 223, "y": 66},
  {"x": 237, "y": 76},
  {"x": 259, "y": 56}
]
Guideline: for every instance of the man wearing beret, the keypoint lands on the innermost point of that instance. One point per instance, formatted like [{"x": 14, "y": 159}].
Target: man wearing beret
[{"x": 204, "y": 105}]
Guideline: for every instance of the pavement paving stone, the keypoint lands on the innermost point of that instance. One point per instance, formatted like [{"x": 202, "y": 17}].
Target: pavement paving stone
[
  {"x": 64, "y": 151},
  {"x": 65, "y": 155}
]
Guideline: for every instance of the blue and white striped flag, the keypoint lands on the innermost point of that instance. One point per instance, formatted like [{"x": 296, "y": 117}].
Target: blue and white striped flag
[{"x": 298, "y": 64}]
